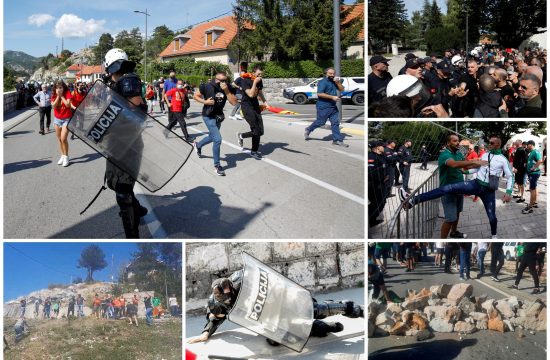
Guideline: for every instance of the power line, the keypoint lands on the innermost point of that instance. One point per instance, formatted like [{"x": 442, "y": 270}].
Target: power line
[
  {"x": 37, "y": 261},
  {"x": 200, "y": 22}
]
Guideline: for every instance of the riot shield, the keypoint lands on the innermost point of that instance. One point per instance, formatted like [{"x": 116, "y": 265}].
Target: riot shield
[
  {"x": 273, "y": 306},
  {"x": 128, "y": 137}
]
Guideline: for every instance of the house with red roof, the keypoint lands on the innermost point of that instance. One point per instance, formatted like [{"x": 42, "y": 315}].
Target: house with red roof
[{"x": 357, "y": 48}]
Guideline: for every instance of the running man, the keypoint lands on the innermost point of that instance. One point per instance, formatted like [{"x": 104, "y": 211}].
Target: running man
[
  {"x": 533, "y": 172},
  {"x": 493, "y": 163}
]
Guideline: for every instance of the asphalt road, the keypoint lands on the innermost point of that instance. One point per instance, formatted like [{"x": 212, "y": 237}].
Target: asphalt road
[
  {"x": 301, "y": 189},
  {"x": 483, "y": 344}
]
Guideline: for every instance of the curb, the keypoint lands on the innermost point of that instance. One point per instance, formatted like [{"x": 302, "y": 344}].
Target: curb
[{"x": 19, "y": 122}]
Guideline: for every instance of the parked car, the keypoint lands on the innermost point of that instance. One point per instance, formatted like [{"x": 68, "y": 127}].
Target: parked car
[
  {"x": 509, "y": 250},
  {"x": 354, "y": 89}
]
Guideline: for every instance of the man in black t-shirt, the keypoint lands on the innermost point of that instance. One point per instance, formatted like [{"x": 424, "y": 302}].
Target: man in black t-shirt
[
  {"x": 213, "y": 96},
  {"x": 237, "y": 84},
  {"x": 252, "y": 90}
]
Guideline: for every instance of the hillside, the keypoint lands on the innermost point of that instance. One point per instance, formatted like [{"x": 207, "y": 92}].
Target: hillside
[
  {"x": 92, "y": 339},
  {"x": 20, "y": 62}
]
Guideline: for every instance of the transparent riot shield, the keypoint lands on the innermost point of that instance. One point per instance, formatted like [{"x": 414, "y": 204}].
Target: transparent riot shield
[
  {"x": 128, "y": 137},
  {"x": 272, "y": 305}
]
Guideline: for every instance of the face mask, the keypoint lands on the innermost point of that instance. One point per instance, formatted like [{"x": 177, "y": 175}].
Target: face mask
[
  {"x": 180, "y": 86},
  {"x": 173, "y": 77},
  {"x": 331, "y": 78}
]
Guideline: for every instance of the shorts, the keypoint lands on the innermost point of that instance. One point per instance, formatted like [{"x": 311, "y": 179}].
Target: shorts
[
  {"x": 409, "y": 252},
  {"x": 381, "y": 253},
  {"x": 520, "y": 177},
  {"x": 96, "y": 308},
  {"x": 60, "y": 122},
  {"x": 452, "y": 206},
  {"x": 440, "y": 251},
  {"x": 533, "y": 179}
]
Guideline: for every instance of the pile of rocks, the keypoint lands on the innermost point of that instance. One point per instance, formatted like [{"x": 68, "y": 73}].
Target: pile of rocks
[{"x": 452, "y": 308}]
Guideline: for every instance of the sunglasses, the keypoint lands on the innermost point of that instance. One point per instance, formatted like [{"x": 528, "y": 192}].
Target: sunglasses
[
  {"x": 492, "y": 143},
  {"x": 524, "y": 87}
]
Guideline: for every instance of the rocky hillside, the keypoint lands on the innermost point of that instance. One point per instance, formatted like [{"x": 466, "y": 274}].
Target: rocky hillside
[
  {"x": 20, "y": 62},
  {"x": 80, "y": 57},
  {"x": 12, "y": 308}
]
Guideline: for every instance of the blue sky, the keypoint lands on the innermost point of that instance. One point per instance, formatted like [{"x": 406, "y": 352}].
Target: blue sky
[
  {"x": 414, "y": 5},
  {"x": 55, "y": 263},
  {"x": 36, "y": 27}
]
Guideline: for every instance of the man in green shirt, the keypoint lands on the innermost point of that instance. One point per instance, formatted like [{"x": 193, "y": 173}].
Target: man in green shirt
[{"x": 533, "y": 172}]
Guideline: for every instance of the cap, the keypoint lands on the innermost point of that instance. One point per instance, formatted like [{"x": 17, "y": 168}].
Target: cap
[
  {"x": 410, "y": 56},
  {"x": 376, "y": 59},
  {"x": 376, "y": 143},
  {"x": 443, "y": 66},
  {"x": 531, "y": 142},
  {"x": 428, "y": 59},
  {"x": 510, "y": 70},
  {"x": 414, "y": 62}
]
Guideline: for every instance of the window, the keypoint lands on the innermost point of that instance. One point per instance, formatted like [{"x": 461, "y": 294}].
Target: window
[
  {"x": 359, "y": 80},
  {"x": 209, "y": 39}
]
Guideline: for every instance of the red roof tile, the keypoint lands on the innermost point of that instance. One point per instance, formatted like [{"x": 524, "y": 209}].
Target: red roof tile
[{"x": 358, "y": 10}]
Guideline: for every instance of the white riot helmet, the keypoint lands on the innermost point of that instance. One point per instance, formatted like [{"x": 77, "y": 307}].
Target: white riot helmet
[
  {"x": 116, "y": 59},
  {"x": 411, "y": 87},
  {"x": 456, "y": 60}
]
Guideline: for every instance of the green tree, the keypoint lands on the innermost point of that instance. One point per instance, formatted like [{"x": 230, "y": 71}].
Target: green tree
[
  {"x": 439, "y": 39},
  {"x": 105, "y": 43},
  {"x": 505, "y": 129},
  {"x": 158, "y": 41},
  {"x": 387, "y": 20},
  {"x": 434, "y": 19},
  {"x": 412, "y": 35},
  {"x": 92, "y": 258},
  {"x": 456, "y": 15},
  {"x": 65, "y": 54},
  {"x": 132, "y": 43},
  {"x": 9, "y": 79}
]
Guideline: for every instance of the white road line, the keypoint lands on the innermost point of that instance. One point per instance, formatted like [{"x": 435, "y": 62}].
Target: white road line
[
  {"x": 494, "y": 288},
  {"x": 300, "y": 174},
  {"x": 151, "y": 220},
  {"x": 355, "y": 156}
]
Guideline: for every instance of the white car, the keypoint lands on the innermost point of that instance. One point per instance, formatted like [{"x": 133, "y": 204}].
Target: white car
[
  {"x": 509, "y": 250},
  {"x": 354, "y": 89}
]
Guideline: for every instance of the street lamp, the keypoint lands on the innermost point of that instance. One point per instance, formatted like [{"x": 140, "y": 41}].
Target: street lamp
[{"x": 146, "y": 14}]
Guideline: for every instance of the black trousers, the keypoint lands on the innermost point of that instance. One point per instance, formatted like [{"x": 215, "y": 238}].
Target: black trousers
[
  {"x": 497, "y": 255},
  {"x": 254, "y": 119},
  {"x": 528, "y": 261},
  {"x": 47, "y": 111},
  {"x": 180, "y": 118},
  {"x": 377, "y": 199},
  {"x": 391, "y": 178}
]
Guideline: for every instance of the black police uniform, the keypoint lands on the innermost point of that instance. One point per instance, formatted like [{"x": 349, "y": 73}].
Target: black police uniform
[
  {"x": 377, "y": 86},
  {"x": 129, "y": 86},
  {"x": 376, "y": 184},
  {"x": 405, "y": 155},
  {"x": 440, "y": 92},
  {"x": 430, "y": 77},
  {"x": 391, "y": 167},
  {"x": 424, "y": 157}
]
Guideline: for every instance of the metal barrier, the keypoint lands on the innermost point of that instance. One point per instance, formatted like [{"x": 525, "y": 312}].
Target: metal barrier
[{"x": 418, "y": 222}]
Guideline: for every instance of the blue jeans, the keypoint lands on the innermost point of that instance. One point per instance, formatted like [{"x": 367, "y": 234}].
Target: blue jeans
[
  {"x": 149, "y": 316},
  {"x": 213, "y": 136},
  {"x": 464, "y": 263},
  {"x": 480, "y": 258},
  {"x": 471, "y": 187},
  {"x": 330, "y": 114},
  {"x": 79, "y": 310}
]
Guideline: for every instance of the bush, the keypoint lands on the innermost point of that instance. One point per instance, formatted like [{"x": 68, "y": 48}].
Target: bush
[
  {"x": 439, "y": 39},
  {"x": 309, "y": 68}
]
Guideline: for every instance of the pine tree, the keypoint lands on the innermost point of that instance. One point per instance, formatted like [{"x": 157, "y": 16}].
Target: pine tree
[
  {"x": 92, "y": 259},
  {"x": 104, "y": 44},
  {"x": 387, "y": 20}
]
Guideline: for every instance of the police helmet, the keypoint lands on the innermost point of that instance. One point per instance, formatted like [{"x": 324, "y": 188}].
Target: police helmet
[
  {"x": 116, "y": 60},
  {"x": 457, "y": 59},
  {"x": 411, "y": 87}
]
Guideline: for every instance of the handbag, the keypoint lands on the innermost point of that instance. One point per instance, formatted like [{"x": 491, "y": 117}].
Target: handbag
[{"x": 493, "y": 179}]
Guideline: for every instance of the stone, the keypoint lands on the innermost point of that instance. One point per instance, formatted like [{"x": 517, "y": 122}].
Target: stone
[
  {"x": 488, "y": 305},
  {"x": 380, "y": 332},
  {"x": 514, "y": 303},
  {"x": 384, "y": 321},
  {"x": 466, "y": 306},
  {"x": 441, "y": 325},
  {"x": 416, "y": 301},
  {"x": 458, "y": 291},
  {"x": 477, "y": 316},
  {"x": 394, "y": 308},
  {"x": 406, "y": 316},
  {"x": 434, "y": 302},
  {"x": 508, "y": 325},
  {"x": 520, "y": 335},
  {"x": 453, "y": 314},
  {"x": 412, "y": 332},
  {"x": 478, "y": 300},
  {"x": 505, "y": 309},
  {"x": 534, "y": 309},
  {"x": 399, "y": 329},
  {"x": 441, "y": 290},
  {"x": 418, "y": 322},
  {"x": 496, "y": 324},
  {"x": 482, "y": 324},
  {"x": 374, "y": 308},
  {"x": 469, "y": 320},
  {"x": 542, "y": 316},
  {"x": 464, "y": 327},
  {"x": 435, "y": 311},
  {"x": 424, "y": 335}
]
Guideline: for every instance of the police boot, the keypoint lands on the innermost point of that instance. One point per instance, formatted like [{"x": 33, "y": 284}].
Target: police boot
[
  {"x": 321, "y": 328},
  {"x": 128, "y": 215},
  {"x": 140, "y": 210},
  {"x": 353, "y": 310}
]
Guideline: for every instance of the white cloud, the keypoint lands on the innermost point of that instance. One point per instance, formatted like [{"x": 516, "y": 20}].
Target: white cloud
[
  {"x": 40, "y": 19},
  {"x": 71, "y": 26}
]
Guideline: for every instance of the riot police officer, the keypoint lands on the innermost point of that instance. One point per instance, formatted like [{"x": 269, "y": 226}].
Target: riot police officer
[
  {"x": 122, "y": 79},
  {"x": 377, "y": 178},
  {"x": 405, "y": 159},
  {"x": 391, "y": 166}
]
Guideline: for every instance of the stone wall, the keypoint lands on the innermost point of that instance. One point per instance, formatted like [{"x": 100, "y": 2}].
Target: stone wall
[
  {"x": 273, "y": 88},
  {"x": 10, "y": 100},
  {"x": 317, "y": 266}
]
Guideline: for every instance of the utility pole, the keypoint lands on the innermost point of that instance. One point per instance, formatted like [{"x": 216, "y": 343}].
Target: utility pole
[
  {"x": 336, "y": 35},
  {"x": 466, "y": 9},
  {"x": 238, "y": 11},
  {"x": 146, "y": 15}
]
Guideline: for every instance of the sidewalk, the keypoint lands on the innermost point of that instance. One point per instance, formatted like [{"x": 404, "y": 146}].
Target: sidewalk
[
  {"x": 14, "y": 118},
  {"x": 512, "y": 224}
]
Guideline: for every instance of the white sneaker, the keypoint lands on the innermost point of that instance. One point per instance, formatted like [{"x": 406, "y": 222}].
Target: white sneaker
[
  {"x": 239, "y": 117},
  {"x": 233, "y": 118},
  {"x": 61, "y": 160},
  {"x": 66, "y": 161},
  {"x": 494, "y": 237}
]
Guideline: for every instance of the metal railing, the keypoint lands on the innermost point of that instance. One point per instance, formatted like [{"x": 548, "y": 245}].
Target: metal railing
[{"x": 418, "y": 222}]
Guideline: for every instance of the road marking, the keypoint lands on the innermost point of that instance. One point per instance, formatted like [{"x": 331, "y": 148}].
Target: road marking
[
  {"x": 352, "y": 131},
  {"x": 494, "y": 288},
  {"x": 300, "y": 174},
  {"x": 151, "y": 220},
  {"x": 355, "y": 156}
]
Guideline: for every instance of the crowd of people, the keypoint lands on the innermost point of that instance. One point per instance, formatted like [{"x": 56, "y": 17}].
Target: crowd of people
[
  {"x": 489, "y": 82},
  {"x": 477, "y": 174},
  {"x": 457, "y": 256}
]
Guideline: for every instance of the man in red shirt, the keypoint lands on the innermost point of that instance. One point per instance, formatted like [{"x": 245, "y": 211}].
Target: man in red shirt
[
  {"x": 176, "y": 104},
  {"x": 471, "y": 155}
]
